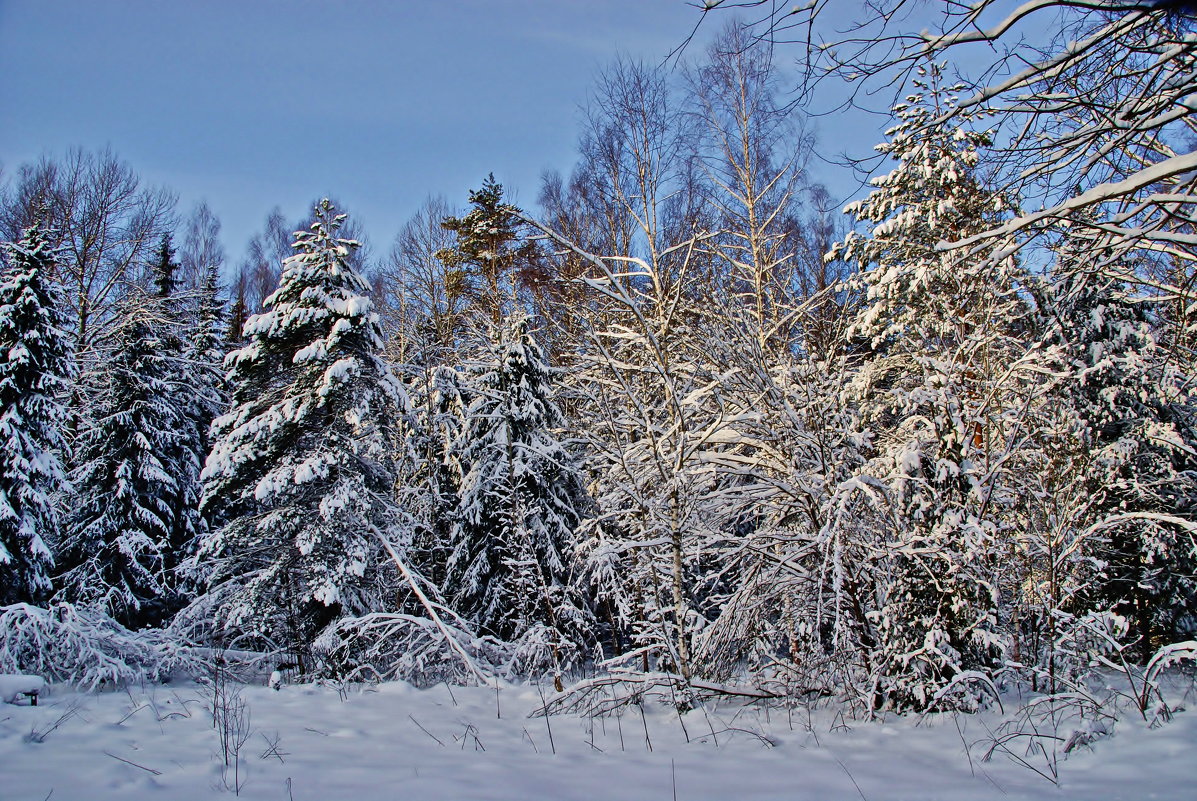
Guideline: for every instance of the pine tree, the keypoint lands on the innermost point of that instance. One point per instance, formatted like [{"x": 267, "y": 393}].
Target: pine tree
[
  {"x": 300, "y": 478},
  {"x": 521, "y": 502},
  {"x": 35, "y": 365},
  {"x": 118, "y": 539},
  {"x": 939, "y": 331},
  {"x": 486, "y": 262}
]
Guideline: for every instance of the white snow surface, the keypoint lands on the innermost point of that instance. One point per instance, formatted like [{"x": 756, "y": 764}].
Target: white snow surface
[{"x": 366, "y": 743}]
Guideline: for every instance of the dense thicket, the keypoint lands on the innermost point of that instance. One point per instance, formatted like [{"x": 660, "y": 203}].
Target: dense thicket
[{"x": 680, "y": 418}]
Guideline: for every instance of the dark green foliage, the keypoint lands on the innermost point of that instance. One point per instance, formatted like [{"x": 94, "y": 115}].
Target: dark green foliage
[
  {"x": 490, "y": 255},
  {"x": 119, "y": 538},
  {"x": 35, "y": 364},
  {"x": 300, "y": 481}
]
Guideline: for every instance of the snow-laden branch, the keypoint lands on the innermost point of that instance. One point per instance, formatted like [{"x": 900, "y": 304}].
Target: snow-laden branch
[{"x": 1162, "y": 171}]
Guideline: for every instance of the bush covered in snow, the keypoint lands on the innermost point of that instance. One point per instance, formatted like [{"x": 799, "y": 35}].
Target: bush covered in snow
[{"x": 83, "y": 646}]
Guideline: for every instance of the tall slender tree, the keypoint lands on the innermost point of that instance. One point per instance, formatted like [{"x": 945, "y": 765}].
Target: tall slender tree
[
  {"x": 35, "y": 366},
  {"x": 206, "y": 354},
  {"x": 118, "y": 538},
  {"x": 192, "y": 390},
  {"x": 752, "y": 154},
  {"x": 511, "y": 568}
]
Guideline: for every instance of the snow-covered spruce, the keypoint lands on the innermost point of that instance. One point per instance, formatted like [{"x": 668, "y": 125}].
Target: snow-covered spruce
[
  {"x": 1122, "y": 444},
  {"x": 206, "y": 355},
  {"x": 521, "y": 501},
  {"x": 35, "y": 364},
  {"x": 299, "y": 482},
  {"x": 194, "y": 394},
  {"x": 128, "y": 500},
  {"x": 203, "y": 397},
  {"x": 439, "y": 404}
]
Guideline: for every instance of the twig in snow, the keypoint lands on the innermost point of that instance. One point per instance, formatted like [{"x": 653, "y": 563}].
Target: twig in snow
[
  {"x": 430, "y": 734},
  {"x": 1001, "y": 789},
  {"x": 547, "y": 725},
  {"x": 470, "y": 731},
  {"x": 768, "y": 742},
  {"x": 967, "y": 750},
  {"x": 134, "y": 764},
  {"x": 710, "y": 725},
  {"x": 272, "y": 748},
  {"x": 853, "y": 780},
  {"x": 39, "y": 736},
  {"x": 133, "y": 712},
  {"x": 998, "y": 743},
  {"x": 644, "y": 720}
]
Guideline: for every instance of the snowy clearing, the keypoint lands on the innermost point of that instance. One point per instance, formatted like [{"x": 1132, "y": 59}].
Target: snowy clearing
[{"x": 394, "y": 741}]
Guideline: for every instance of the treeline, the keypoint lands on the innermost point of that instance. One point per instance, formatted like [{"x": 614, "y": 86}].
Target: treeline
[{"x": 677, "y": 418}]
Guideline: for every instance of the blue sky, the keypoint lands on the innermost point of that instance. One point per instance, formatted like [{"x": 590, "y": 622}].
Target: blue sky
[{"x": 252, "y": 104}]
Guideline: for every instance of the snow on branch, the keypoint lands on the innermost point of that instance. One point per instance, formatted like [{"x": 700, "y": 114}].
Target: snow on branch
[{"x": 1167, "y": 169}]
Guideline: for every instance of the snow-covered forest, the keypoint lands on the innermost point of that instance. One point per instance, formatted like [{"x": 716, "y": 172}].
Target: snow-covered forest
[{"x": 680, "y": 433}]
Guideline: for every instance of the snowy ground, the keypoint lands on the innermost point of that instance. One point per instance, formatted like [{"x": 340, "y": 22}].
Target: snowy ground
[{"x": 395, "y": 742}]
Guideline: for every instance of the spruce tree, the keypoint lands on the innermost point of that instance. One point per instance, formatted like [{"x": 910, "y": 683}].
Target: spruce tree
[
  {"x": 521, "y": 501},
  {"x": 205, "y": 397},
  {"x": 188, "y": 388},
  {"x": 164, "y": 273},
  {"x": 300, "y": 478},
  {"x": 237, "y": 316},
  {"x": 119, "y": 536},
  {"x": 206, "y": 356},
  {"x": 437, "y": 440},
  {"x": 35, "y": 365},
  {"x": 1131, "y": 441}
]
